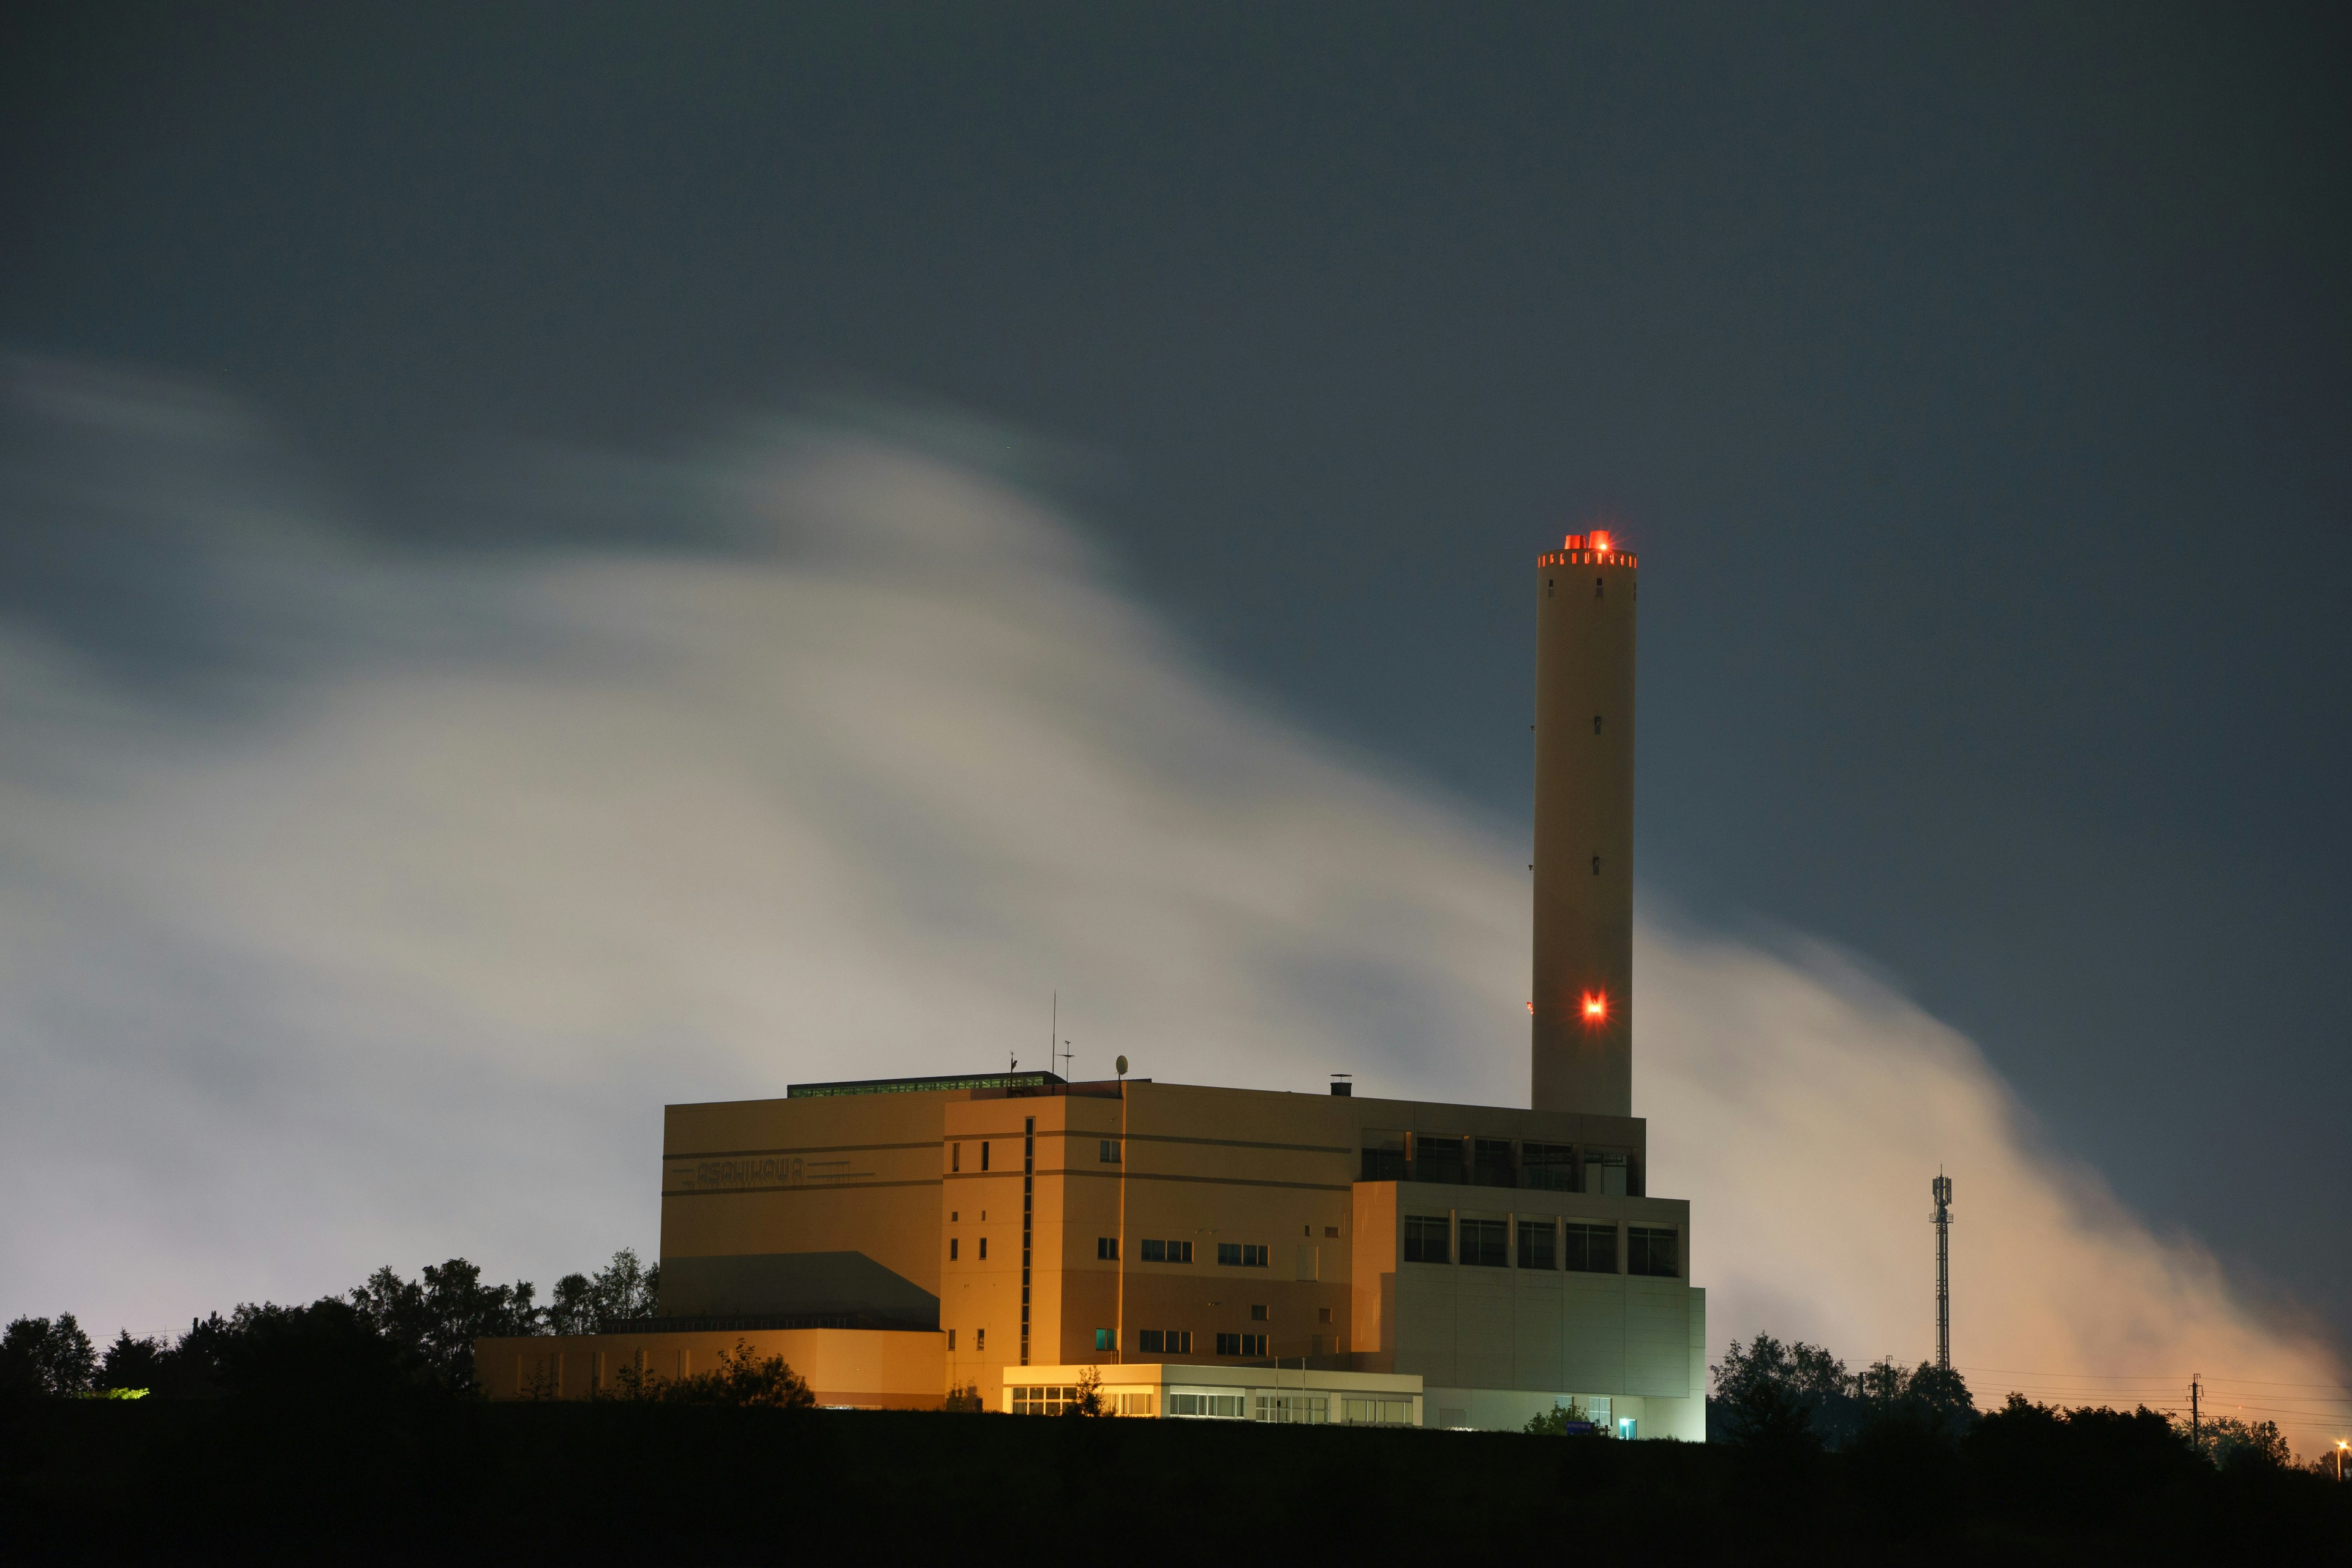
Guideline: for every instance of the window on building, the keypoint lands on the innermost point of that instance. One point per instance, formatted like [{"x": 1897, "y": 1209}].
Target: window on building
[
  {"x": 983, "y": 1250},
  {"x": 1330, "y": 1233},
  {"x": 1596, "y": 865},
  {"x": 1599, "y": 588},
  {"x": 1590, "y": 1248},
  {"x": 1596, "y": 723},
  {"x": 1253, "y": 1345},
  {"x": 1229, "y": 1344},
  {"x": 1491, "y": 1163},
  {"x": 1041, "y": 1401},
  {"x": 1167, "y": 1252},
  {"x": 1109, "y": 1152},
  {"x": 1241, "y": 1255},
  {"x": 951, "y": 1338},
  {"x": 1226, "y": 1406},
  {"x": 980, "y": 1339},
  {"x": 1257, "y": 1312},
  {"x": 955, "y": 1156},
  {"x": 1486, "y": 1243},
  {"x": 953, "y": 1244},
  {"x": 1103, "y": 1340},
  {"x": 1436, "y": 1159},
  {"x": 1428, "y": 1238},
  {"x": 1548, "y": 1167},
  {"x": 1106, "y": 1248},
  {"x": 1384, "y": 1158},
  {"x": 1151, "y": 1342},
  {"x": 983, "y": 1156},
  {"x": 1378, "y": 1412},
  {"x": 1606, "y": 1174},
  {"x": 1652, "y": 1252},
  {"x": 1322, "y": 1314},
  {"x": 1536, "y": 1244},
  {"x": 1293, "y": 1409},
  {"x": 1167, "y": 1341}
]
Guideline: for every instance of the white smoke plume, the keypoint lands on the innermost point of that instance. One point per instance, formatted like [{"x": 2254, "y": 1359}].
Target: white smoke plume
[{"x": 362, "y": 901}]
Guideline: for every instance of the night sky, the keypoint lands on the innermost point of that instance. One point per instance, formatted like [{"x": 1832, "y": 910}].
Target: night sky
[{"x": 1976, "y": 386}]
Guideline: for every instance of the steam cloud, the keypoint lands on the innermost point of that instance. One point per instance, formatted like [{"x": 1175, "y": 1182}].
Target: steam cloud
[{"x": 363, "y": 900}]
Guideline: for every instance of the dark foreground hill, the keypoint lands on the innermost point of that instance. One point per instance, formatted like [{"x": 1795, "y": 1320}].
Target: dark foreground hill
[{"x": 427, "y": 1481}]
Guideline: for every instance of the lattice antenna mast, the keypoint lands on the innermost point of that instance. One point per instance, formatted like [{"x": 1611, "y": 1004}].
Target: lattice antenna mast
[{"x": 1943, "y": 1218}]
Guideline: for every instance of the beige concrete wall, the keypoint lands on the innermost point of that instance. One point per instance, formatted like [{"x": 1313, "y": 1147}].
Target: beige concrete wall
[
  {"x": 862, "y": 1367},
  {"x": 849, "y": 1174},
  {"x": 1531, "y": 1330},
  {"x": 900, "y": 1178}
]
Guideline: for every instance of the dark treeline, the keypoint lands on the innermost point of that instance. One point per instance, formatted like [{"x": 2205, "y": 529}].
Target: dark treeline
[
  {"x": 1793, "y": 1398},
  {"x": 389, "y": 1335},
  {"x": 349, "y": 1429}
]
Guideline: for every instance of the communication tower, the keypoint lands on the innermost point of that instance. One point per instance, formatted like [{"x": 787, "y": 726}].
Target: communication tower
[{"x": 1943, "y": 1218}]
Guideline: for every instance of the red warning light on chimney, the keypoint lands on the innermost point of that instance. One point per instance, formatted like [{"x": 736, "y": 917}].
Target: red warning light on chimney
[
  {"x": 1596, "y": 1006},
  {"x": 1601, "y": 542}
]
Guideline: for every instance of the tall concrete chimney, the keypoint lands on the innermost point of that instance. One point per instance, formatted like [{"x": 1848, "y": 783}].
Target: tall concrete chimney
[{"x": 1583, "y": 995}]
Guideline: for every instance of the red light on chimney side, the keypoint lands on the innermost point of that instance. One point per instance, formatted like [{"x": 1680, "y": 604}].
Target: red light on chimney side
[
  {"x": 1601, "y": 542},
  {"x": 1596, "y": 1006}
]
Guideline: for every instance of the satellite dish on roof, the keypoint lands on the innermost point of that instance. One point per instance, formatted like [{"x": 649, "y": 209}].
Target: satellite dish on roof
[{"x": 1122, "y": 1067}]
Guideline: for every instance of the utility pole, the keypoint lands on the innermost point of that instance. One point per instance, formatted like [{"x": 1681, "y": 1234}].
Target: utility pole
[
  {"x": 1943, "y": 1218},
  {"x": 2194, "y": 1440}
]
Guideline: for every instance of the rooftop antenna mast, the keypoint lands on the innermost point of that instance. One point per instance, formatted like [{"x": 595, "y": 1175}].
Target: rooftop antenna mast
[
  {"x": 1943, "y": 1218},
  {"x": 1055, "y": 1057}
]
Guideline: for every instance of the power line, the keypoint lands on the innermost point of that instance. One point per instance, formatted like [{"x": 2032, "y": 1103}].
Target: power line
[{"x": 2151, "y": 1377}]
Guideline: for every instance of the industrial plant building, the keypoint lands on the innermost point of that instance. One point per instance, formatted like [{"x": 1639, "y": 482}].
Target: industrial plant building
[{"x": 1225, "y": 1252}]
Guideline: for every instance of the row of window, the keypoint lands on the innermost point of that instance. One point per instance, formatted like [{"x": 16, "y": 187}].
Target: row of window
[
  {"x": 1230, "y": 1254},
  {"x": 1498, "y": 1162},
  {"x": 1580, "y": 1248},
  {"x": 1241, "y": 1344},
  {"x": 1106, "y": 1152},
  {"x": 1161, "y": 1341}
]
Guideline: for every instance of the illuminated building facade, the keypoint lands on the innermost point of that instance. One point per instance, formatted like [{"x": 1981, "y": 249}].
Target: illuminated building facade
[{"x": 1209, "y": 1252}]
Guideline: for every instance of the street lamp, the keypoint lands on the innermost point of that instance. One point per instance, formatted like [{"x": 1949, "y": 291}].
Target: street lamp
[{"x": 2340, "y": 1446}]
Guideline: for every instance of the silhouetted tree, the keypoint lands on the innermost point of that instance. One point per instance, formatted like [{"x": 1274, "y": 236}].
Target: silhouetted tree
[
  {"x": 133, "y": 1363},
  {"x": 1929, "y": 1401},
  {"x": 1789, "y": 1397},
  {"x": 1090, "y": 1396},
  {"x": 2079, "y": 1463},
  {"x": 2227, "y": 1443},
  {"x": 38, "y": 1355},
  {"x": 1569, "y": 1420},
  {"x": 324, "y": 1352},
  {"x": 570, "y": 1307},
  {"x": 432, "y": 1322},
  {"x": 742, "y": 1377}
]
